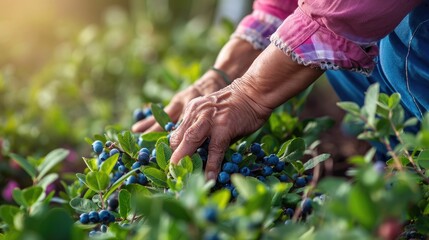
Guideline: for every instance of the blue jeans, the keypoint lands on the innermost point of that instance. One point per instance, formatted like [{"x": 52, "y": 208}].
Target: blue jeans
[{"x": 403, "y": 67}]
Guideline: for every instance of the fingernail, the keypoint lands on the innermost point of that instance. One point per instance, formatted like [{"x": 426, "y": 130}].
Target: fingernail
[{"x": 211, "y": 176}]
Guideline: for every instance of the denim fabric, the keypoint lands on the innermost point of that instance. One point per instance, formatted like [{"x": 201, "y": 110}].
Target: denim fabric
[{"x": 403, "y": 67}]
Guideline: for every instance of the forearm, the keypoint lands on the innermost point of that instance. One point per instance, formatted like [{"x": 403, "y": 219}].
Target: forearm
[{"x": 274, "y": 78}]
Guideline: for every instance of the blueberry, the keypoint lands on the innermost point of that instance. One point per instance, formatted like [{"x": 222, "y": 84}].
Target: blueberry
[
  {"x": 210, "y": 214},
  {"x": 280, "y": 166},
  {"x": 289, "y": 212},
  {"x": 145, "y": 150},
  {"x": 93, "y": 217},
  {"x": 308, "y": 178},
  {"x": 295, "y": 176},
  {"x": 255, "y": 148},
  {"x": 223, "y": 177},
  {"x": 139, "y": 115},
  {"x": 136, "y": 165},
  {"x": 267, "y": 171},
  {"x": 202, "y": 152},
  {"x": 230, "y": 167},
  {"x": 97, "y": 146},
  {"x": 234, "y": 193},
  {"x": 211, "y": 236},
  {"x": 306, "y": 205},
  {"x": 284, "y": 178},
  {"x": 108, "y": 144},
  {"x": 122, "y": 169},
  {"x": 103, "y": 156},
  {"x": 103, "y": 228},
  {"x": 104, "y": 216},
  {"x": 84, "y": 218},
  {"x": 260, "y": 155},
  {"x": 148, "y": 112},
  {"x": 142, "y": 179},
  {"x": 113, "y": 204},
  {"x": 272, "y": 160},
  {"x": 112, "y": 218},
  {"x": 130, "y": 180},
  {"x": 152, "y": 159},
  {"x": 261, "y": 178},
  {"x": 245, "y": 171},
  {"x": 113, "y": 152},
  {"x": 236, "y": 158},
  {"x": 169, "y": 126},
  {"x": 143, "y": 158},
  {"x": 154, "y": 152},
  {"x": 300, "y": 182}
]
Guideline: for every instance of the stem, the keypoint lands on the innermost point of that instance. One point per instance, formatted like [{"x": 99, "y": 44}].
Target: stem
[{"x": 102, "y": 201}]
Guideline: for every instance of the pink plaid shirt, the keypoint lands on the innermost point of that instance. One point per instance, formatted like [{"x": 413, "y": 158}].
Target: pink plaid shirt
[{"x": 329, "y": 34}]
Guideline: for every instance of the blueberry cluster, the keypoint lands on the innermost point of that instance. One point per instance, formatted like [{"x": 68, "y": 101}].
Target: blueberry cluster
[
  {"x": 109, "y": 149},
  {"x": 263, "y": 167},
  {"x": 104, "y": 217},
  {"x": 141, "y": 113}
]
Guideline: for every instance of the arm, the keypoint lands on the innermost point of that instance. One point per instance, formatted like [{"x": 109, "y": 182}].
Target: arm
[{"x": 240, "y": 108}]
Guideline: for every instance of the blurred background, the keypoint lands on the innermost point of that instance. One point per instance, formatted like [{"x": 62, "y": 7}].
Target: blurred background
[{"x": 71, "y": 68}]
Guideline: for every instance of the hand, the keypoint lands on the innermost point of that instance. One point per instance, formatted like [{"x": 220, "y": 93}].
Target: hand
[
  {"x": 222, "y": 116},
  {"x": 207, "y": 84}
]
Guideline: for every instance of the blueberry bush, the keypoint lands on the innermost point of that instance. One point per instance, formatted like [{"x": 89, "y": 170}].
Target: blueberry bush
[{"x": 270, "y": 185}]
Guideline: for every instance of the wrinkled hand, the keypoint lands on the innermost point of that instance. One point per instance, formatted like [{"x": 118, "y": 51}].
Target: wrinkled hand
[
  {"x": 206, "y": 85},
  {"x": 222, "y": 116}
]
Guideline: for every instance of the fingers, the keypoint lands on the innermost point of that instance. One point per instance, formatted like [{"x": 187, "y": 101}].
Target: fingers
[
  {"x": 187, "y": 139},
  {"x": 149, "y": 124},
  {"x": 218, "y": 145},
  {"x": 142, "y": 125}
]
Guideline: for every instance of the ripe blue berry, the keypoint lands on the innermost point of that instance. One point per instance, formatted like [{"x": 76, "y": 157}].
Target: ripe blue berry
[
  {"x": 136, "y": 165},
  {"x": 169, "y": 126},
  {"x": 145, "y": 150},
  {"x": 236, "y": 158},
  {"x": 230, "y": 167},
  {"x": 108, "y": 144},
  {"x": 202, "y": 152},
  {"x": 104, "y": 216},
  {"x": 139, "y": 115},
  {"x": 93, "y": 217},
  {"x": 289, "y": 212},
  {"x": 308, "y": 178},
  {"x": 103, "y": 228},
  {"x": 255, "y": 148},
  {"x": 130, "y": 180},
  {"x": 284, "y": 178},
  {"x": 272, "y": 160},
  {"x": 280, "y": 166},
  {"x": 143, "y": 158},
  {"x": 103, "y": 156},
  {"x": 142, "y": 179},
  {"x": 234, "y": 193},
  {"x": 267, "y": 171},
  {"x": 306, "y": 205},
  {"x": 84, "y": 218},
  {"x": 122, "y": 169},
  {"x": 148, "y": 112},
  {"x": 113, "y": 152},
  {"x": 154, "y": 152},
  {"x": 223, "y": 177},
  {"x": 152, "y": 159},
  {"x": 261, "y": 178},
  {"x": 210, "y": 214},
  {"x": 245, "y": 171},
  {"x": 113, "y": 203},
  {"x": 260, "y": 155},
  {"x": 97, "y": 146},
  {"x": 300, "y": 182}
]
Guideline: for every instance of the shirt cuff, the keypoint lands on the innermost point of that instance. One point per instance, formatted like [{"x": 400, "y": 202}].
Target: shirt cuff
[
  {"x": 312, "y": 44},
  {"x": 257, "y": 28}
]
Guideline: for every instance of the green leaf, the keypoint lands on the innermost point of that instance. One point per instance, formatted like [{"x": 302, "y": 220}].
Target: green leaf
[
  {"x": 108, "y": 165},
  {"x": 137, "y": 189},
  {"x": 160, "y": 116},
  {"x": 247, "y": 187},
  {"x": 299, "y": 167},
  {"x": 362, "y": 207},
  {"x": 350, "y": 107},
  {"x": 91, "y": 163},
  {"x": 220, "y": 198},
  {"x": 423, "y": 159},
  {"x": 156, "y": 176},
  {"x": 311, "y": 163},
  {"x": 82, "y": 178},
  {"x": 48, "y": 179},
  {"x": 24, "y": 164},
  {"x": 124, "y": 203},
  {"x": 394, "y": 100},
  {"x": 269, "y": 143},
  {"x": 176, "y": 210},
  {"x": 197, "y": 163},
  {"x": 371, "y": 99},
  {"x": 52, "y": 159},
  {"x": 118, "y": 183},
  {"x": 153, "y": 136},
  {"x": 186, "y": 163},
  {"x": 7, "y": 213},
  {"x": 83, "y": 205},
  {"x": 177, "y": 171},
  {"x": 163, "y": 154},
  {"x": 18, "y": 197},
  {"x": 127, "y": 142},
  {"x": 292, "y": 150},
  {"x": 32, "y": 194},
  {"x": 97, "y": 181}
]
